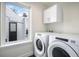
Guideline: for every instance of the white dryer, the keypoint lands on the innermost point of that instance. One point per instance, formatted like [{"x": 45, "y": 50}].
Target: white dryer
[
  {"x": 41, "y": 44},
  {"x": 63, "y": 45}
]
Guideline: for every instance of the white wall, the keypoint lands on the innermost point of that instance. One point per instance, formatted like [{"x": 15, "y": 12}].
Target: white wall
[
  {"x": 70, "y": 22},
  {"x": 37, "y": 17},
  {"x": 71, "y": 18}
]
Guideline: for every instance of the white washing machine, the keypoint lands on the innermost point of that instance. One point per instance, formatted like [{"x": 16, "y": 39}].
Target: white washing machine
[
  {"x": 63, "y": 45},
  {"x": 41, "y": 44}
]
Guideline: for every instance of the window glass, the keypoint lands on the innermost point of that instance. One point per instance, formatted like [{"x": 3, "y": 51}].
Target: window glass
[{"x": 18, "y": 9}]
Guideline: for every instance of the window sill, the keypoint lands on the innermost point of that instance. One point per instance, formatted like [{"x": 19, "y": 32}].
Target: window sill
[{"x": 15, "y": 43}]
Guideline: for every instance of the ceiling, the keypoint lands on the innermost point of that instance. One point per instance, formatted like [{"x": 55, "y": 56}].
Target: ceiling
[{"x": 47, "y": 3}]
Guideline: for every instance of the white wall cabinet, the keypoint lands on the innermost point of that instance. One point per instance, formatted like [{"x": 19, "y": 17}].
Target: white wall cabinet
[{"x": 53, "y": 14}]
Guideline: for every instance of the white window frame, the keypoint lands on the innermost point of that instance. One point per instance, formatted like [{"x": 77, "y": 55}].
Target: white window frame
[{"x": 2, "y": 42}]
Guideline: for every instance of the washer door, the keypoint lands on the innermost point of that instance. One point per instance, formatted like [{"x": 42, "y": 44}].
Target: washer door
[
  {"x": 39, "y": 46},
  {"x": 61, "y": 49}
]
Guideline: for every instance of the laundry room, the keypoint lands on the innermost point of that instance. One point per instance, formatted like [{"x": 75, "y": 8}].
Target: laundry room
[{"x": 39, "y": 29}]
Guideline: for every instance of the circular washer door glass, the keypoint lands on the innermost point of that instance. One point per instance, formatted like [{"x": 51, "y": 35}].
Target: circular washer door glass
[
  {"x": 39, "y": 45},
  {"x": 59, "y": 52}
]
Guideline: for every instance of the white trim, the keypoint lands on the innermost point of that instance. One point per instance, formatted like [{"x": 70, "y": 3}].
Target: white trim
[
  {"x": 0, "y": 23},
  {"x": 17, "y": 43},
  {"x": 1, "y": 26},
  {"x": 3, "y": 43},
  {"x": 2, "y": 15},
  {"x": 30, "y": 24}
]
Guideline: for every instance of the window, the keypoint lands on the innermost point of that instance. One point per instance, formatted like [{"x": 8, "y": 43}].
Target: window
[{"x": 16, "y": 22}]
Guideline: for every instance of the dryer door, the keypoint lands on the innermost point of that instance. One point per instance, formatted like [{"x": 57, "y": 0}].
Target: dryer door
[
  {"x": 39, "y": 46},
  {"x": 61, "y": 49}
]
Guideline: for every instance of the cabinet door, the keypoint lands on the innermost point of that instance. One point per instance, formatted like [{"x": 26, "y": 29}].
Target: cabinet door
[
  {"x": 53, "y": 13},
  {"x": 50, "y": 15},
  {"x": 47, "y": 16}
]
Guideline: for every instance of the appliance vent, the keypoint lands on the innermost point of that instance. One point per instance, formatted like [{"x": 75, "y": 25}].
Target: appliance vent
[{"x": 72, "y": 41}]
